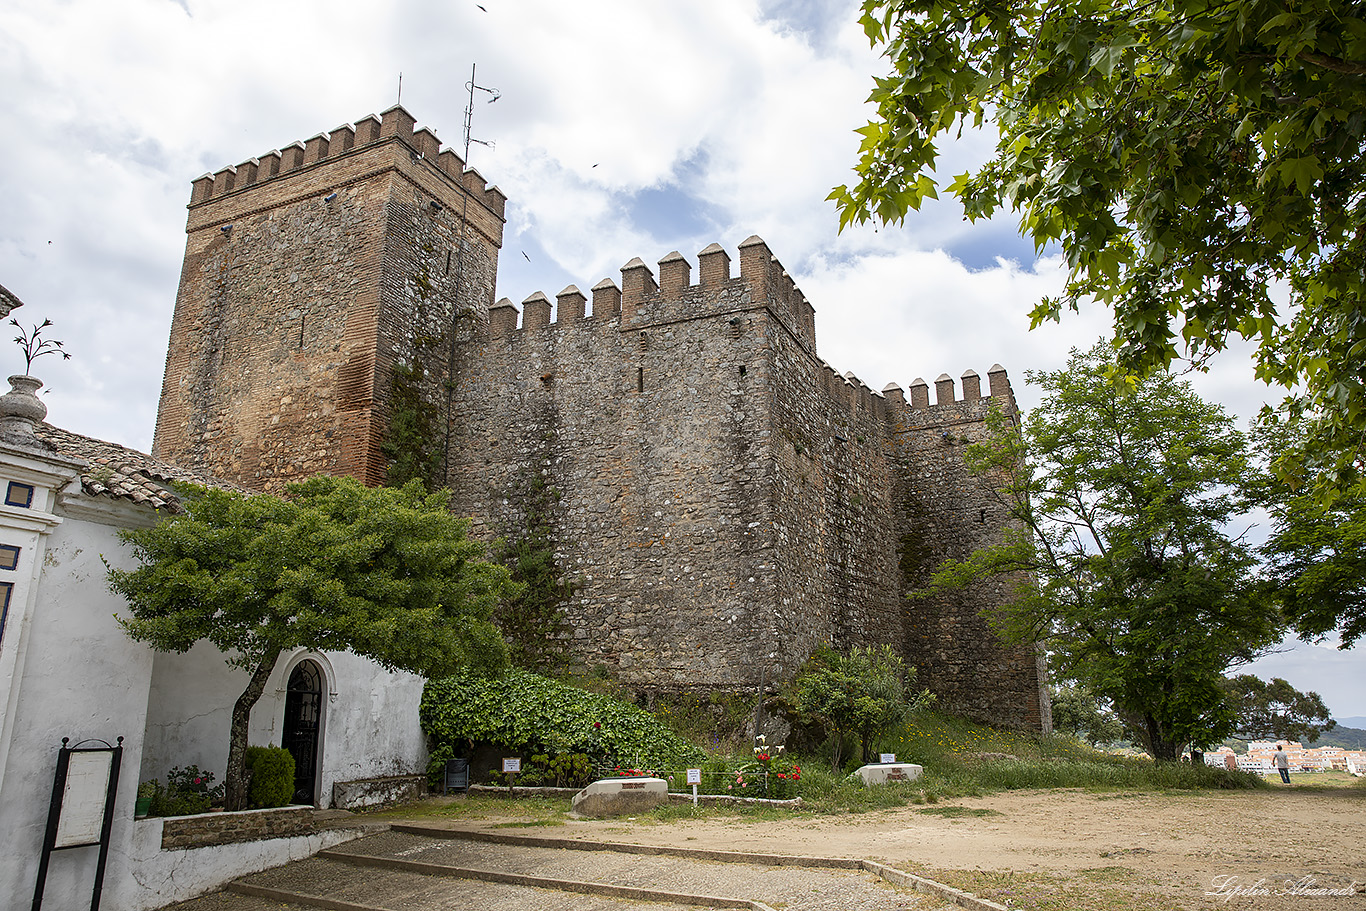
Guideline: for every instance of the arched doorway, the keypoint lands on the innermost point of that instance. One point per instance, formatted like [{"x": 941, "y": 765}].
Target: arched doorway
[{"x": 303, "y": 720}]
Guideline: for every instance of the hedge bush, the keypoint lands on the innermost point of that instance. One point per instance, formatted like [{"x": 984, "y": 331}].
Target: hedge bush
[
  {"x": 525, "y": 712},
  {"x": 272, "y": 776}
]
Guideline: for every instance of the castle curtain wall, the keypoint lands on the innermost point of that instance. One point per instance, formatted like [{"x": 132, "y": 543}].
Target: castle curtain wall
[{"x": 721, "y": 500}]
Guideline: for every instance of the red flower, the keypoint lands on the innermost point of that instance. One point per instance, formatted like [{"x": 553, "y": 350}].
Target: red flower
[{"x": 597, "y": 724}]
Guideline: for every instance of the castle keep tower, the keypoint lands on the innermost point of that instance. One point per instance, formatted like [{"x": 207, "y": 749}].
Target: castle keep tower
[
  {"x": 309, "y": 274},
  {"x": 720, "y": 499}
]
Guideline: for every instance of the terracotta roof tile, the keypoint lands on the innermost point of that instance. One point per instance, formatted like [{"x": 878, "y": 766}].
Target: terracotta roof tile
[{"x": 122, "y": 473}]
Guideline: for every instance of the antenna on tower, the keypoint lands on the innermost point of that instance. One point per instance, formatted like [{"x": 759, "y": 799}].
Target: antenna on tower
[
  {"x": 399, "y": 100},
  {"x": 471, "y": 87}
]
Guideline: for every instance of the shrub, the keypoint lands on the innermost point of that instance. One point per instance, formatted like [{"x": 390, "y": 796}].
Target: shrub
[
  {"x": 272, "y": 776},
  {"x": 863, "y": 695},
  {"x": 525, "y": 712}
]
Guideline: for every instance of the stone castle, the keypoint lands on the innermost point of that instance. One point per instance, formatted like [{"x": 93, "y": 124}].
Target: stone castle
[{"x": 721, "y": 499}]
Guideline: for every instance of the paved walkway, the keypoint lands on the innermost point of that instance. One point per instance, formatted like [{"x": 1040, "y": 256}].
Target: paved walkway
[{"x": 415, "y": 868}]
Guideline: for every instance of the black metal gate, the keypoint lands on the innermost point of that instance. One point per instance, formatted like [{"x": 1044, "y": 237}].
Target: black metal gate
[{"x": 303, "y": 714}]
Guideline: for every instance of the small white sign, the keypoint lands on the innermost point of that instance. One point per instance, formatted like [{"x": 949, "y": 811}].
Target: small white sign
[
  {"x": 694, "y": 776},
  {"x": 512, "y": 765},
  {"x": 887, "y": 758},
  {"x": 83, "y": 798}
]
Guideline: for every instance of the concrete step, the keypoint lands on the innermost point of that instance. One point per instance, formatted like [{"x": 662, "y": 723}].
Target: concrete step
[{"x": 419, "y": 869}]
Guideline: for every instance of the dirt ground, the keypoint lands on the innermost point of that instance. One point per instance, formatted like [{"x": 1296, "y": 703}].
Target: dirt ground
[{"x": 1063, "y": 849}]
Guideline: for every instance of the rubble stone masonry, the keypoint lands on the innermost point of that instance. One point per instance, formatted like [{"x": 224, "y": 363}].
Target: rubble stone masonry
[{"x": 722, "y": 500}]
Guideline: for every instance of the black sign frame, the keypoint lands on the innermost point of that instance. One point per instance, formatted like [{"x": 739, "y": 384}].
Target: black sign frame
[{"x": 54, "y": 815}]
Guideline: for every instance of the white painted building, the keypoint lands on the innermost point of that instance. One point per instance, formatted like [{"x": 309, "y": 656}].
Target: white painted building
[{"x": 68, "y": 670}]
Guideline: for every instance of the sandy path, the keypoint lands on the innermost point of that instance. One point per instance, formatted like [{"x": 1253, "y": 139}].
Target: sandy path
[{"x": 1172, "y": 847}]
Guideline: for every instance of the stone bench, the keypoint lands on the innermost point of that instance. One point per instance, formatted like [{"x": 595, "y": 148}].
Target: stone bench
[
  {"x": 621, "y": 796},
  {"x": 881, "y": 773}
]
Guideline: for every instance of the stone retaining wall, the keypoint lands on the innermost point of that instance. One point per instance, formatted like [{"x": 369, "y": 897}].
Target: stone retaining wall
[{"x": 206, "y": 829}]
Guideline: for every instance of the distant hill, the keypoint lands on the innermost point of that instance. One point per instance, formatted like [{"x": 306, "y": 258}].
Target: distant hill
[
  {"x": 1349, "y": 738},
  {"x": 1354, "y": 722}
]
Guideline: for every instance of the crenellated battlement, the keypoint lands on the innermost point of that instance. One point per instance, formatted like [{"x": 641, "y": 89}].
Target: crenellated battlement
[
  {"x": 642, "y": 299},
  {"x": 998, "y": 388},
  {"x": 346, "y": 140}
]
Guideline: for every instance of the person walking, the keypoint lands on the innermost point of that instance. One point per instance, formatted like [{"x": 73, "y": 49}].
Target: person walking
[{"x": 1282, "y": 762}]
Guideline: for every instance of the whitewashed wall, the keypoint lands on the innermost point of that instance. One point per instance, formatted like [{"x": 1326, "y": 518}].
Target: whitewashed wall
[
  {"x": 369, "y": 715},
  {"x": 66, "y": 670}
]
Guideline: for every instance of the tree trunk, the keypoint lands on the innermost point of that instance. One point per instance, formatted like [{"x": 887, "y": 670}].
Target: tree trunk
[
  {"x": 1163, "y": 748},
  {"x": 235, "y": 779}
]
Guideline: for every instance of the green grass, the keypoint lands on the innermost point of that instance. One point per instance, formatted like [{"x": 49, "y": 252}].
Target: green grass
[
  {"x": 960, "y": 812},
  {"x": 960, "y": 759},
  {"x": 1095, "y": 889},
  {"x": 529, "y": 810}
]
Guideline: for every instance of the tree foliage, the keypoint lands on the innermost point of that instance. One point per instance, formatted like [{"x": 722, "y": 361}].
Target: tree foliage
[
  {"x": 1276, "y": 710},
  {"x": 1186, "y": 156},
  {"x": 1133, "y": 584},
  {"x": 1080, "y": 713},
  {"x": 860, "y": 695},
  {"x": 1316, "y": 560},
  {"x": 385, "y": 573}
]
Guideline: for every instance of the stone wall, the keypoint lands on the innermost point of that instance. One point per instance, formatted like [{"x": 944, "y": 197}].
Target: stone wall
[
  {"x": 722, "y": 501},
  {"x": 204, "y": 829},
  {"x": 944, "y": 511}
]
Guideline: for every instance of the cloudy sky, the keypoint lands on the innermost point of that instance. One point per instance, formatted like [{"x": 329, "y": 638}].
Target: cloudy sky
[{"x": 623, "y": 129}]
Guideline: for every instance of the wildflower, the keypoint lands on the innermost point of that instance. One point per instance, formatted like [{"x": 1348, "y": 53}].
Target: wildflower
[{"x": 597, "y": 724}]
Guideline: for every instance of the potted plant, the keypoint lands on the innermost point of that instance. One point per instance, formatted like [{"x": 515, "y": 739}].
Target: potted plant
[{"x": 143, "y": 805}]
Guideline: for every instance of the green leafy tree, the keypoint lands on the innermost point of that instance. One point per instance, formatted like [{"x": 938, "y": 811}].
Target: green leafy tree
[
  {"x": 386, "y": 573},
  {"x": 1185, "y": 156},
  {"x": 1316, "y": 559},
  {"x": 1129, "y": 577},
  {"x": 1276, "y": 710},
  {"x": 1080, "y": 713},
  {"x": 860, "y": 695}
]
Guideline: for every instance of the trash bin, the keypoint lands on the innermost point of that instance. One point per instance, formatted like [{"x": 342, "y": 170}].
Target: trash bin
[{"x": 457, "y": 776}]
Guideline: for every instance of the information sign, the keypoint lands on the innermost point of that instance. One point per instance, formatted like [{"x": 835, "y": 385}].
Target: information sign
[{"x": 83, "y": 798}]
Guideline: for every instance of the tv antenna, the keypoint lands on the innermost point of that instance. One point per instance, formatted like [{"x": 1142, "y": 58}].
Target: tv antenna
[{"x": 471, "y": 87}]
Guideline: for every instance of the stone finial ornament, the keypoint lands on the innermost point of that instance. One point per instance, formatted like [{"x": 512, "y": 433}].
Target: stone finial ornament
[{"x": 21, "y": 410}]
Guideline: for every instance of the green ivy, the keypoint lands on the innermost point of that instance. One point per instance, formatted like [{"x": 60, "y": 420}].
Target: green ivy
[
  {"x": 410, "y": 447},
  {"x": 527, "y": 713},
  {"x": 533, "y": 621}
]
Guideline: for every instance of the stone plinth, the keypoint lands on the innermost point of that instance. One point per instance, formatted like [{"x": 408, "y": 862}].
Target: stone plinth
[
  {"x": 881, "y": 773},
  {"x": 621, "y": 796},
  {"x": 374, "y": 792}
]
